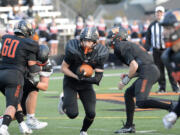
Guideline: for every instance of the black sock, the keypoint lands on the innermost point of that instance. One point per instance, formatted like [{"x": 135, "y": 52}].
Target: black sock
[
  {"x": 151, "y": 103},
  {"x": 86, "y": 124},
  {"x": 19, "y": 116},
  {"x": 6, "y": 120},
  {"x": 130, "y": 106}
]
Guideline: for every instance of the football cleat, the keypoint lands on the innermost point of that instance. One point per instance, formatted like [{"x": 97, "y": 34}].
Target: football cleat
[
  {"x": 60, "y": 105},
  {"x": 126, "y": 129},
  {"x": 83, "y": 133},
  {"x": 24, "y": 129},
  {"x": 3, "y": 130},
  {"x": 35, "y": 124},
  {"x": 169, "y": 120}
]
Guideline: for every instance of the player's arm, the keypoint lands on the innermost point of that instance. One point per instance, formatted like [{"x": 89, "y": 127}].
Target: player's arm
[
  {"x": 33, "y": 67},
  {"x": 133, "y": 66},
  {"x": 65, "y": 69},
  {"x": 95, "y": 79}
]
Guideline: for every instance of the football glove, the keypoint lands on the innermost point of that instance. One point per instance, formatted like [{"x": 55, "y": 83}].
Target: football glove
[
  {"x": 46, "y": 70},
  {"x": 125, "y": 79},
  {"x": 80, "y": 74},
  {"x": 47, "y": 67},
  {"x": 32, "y": 78}
]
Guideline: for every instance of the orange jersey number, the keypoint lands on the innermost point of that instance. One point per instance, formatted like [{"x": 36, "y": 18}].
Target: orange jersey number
[{"x": 9, "y": 47}]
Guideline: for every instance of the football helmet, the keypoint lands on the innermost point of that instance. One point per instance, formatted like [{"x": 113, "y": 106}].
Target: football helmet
[
  {"x": 117, "y": 22},
  {"x": 43, "y": 53},
  {"x": 89, "y": 34},
  {"x": 23, "y": 28},
  {"x": 171, "y": 23},
  {"x": 117, "y": 34}
]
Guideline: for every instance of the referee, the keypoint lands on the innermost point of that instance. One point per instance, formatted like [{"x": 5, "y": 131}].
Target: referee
[{"x": 155, "y": 41}]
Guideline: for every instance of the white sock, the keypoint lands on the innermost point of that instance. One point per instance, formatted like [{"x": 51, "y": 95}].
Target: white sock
[
  {"x": 22, "y": 123},
  {"x": 4, "y": 126},
  {"x": 30, "y": 116}
]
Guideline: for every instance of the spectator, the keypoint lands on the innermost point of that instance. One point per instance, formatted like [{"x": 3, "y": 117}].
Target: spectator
[
  {"x": 79, "y": 27},
  {"x": 90, "y": 21},
  {"x": 43, "y": 32},
  {"x": 53, "y": 38},
  {"x": 101, "y": 26}
]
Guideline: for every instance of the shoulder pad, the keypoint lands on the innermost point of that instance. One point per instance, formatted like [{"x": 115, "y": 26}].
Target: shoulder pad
[
  {"x": 73, "y": 47},
  {"x": 102, "y": 52},
  {"x": 30, "y": 42}
]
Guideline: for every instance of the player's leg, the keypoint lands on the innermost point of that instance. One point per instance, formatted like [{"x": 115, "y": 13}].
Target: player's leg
[
  {"x": 129, "y": 127},
  {"x": 88, "y": 99},
  {"x": 11, "y": 103},
  {"x": 170, "y": 119},
  {"x": 20, "y": 119},
  {"x": 68, "y": 102},
  {"x": 144, "y": 87},
  {"x": 31, "y": 103},
  {"x": 13, "y": 92}
]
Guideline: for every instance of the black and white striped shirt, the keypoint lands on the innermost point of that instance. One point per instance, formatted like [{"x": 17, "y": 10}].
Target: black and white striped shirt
[{"x": 154, "y": 36}]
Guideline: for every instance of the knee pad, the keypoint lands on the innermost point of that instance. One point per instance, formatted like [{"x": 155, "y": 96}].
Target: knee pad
[
  {"x": 140, "y": 104},
  {"x": 72, "y": 115}
]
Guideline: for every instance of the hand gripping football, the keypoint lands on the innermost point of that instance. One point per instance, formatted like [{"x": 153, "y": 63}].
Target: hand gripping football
[{"x": 88, "y": 70}]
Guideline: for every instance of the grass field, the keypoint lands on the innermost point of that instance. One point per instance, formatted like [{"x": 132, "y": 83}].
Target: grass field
[{"x": 109, "y": 115}]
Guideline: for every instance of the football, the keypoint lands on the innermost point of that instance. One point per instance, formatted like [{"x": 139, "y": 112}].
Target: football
[{"x": 88, "y": 70}]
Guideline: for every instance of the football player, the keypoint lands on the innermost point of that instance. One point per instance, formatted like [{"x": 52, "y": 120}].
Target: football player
[
  {"x": 17, "y": 52},
  {"x": 171, "y": 57},
  {"x": 31, "y": 88},
  {"x": 141, "y": 65},
  {"x": 32, "y": 85},
  {"x": 86, "y": 50}
]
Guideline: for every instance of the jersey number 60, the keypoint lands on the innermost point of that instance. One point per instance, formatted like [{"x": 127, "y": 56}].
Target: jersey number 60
[{"x": 9, "y": 47}]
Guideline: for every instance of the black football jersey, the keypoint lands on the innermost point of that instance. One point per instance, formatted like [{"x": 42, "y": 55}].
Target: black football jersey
[
  {"x": 127, "y": 51},
  {"x": 17, "y": 51},
  {"x": 171, "y": 59},
  {"x": 74, "y": 55}
]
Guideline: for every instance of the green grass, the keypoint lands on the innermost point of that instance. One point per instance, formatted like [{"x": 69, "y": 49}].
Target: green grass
[{"x": 106, "y": 122}]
